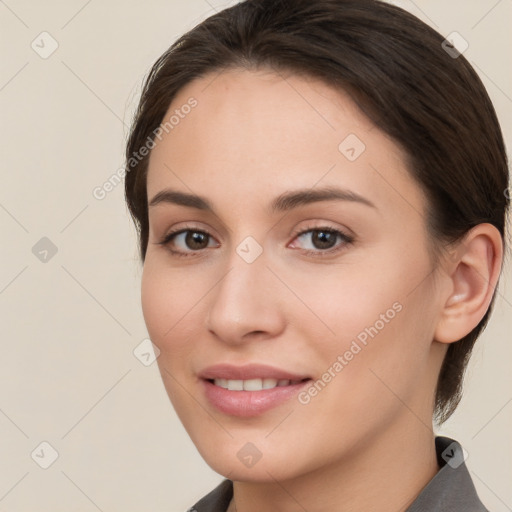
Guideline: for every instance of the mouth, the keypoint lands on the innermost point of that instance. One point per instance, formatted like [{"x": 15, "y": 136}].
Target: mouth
[{"x": 249, "y": 390}]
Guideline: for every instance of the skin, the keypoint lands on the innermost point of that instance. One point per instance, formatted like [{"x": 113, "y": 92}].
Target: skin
[{"x": 253, "y": 136}]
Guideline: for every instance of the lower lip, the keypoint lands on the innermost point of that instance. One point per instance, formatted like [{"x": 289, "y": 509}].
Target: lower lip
[{"x": 249, "y": 403}]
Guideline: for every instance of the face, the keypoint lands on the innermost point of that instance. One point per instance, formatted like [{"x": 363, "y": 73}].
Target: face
[{"x": 293, "y": 300}]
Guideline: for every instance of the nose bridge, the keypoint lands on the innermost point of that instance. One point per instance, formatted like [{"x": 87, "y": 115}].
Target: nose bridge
[{"x": 242, "y": 302}]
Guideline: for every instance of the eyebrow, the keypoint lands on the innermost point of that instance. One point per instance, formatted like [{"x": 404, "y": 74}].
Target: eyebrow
[{"x": 284, "y": 202}]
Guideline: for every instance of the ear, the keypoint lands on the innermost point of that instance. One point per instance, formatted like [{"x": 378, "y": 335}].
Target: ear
[{"x": 473, "y": 273}]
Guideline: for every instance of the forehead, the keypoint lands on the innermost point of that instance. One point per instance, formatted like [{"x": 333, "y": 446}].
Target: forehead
[
  {"x": 265, "y": 103},
  {"x": 259, "y": 132}
]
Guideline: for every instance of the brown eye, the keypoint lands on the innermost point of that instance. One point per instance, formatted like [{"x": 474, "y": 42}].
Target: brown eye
[
  {"x": 196, "y": 240},
  {"x": 185, "y": 242},
  {"x": 323, "y": 240}
]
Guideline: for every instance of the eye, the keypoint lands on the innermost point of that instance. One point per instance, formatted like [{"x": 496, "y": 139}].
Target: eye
[
  {"x": 323, "y": 240},
  {"x": 187, "y": 240},
  {"x": 317, "y": 241}
]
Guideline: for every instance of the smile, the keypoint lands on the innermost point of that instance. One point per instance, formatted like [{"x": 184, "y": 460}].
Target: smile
[{"x": 249, "y": 390}]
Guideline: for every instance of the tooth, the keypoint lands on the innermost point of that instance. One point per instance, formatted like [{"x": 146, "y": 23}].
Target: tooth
[
  {"x": 223, "y": 383},
  {"x": 269, "y": 383},
  {"x": 253, "y": 385},
  {"x": 235, "y": 385}
]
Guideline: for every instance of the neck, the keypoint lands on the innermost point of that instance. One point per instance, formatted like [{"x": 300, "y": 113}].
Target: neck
[{"x": 386, "y": 475}]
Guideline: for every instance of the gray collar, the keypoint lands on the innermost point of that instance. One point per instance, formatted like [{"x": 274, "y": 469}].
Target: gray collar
[{"x": 452, "y": 488}]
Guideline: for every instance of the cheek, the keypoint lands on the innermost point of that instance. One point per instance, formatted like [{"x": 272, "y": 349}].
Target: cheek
[
  {"x": 377, "y": 318},
  {"x": 343, "y": 303},
  {"x": 167, "y": 302},
  {"x": 153, "y": 299},
  {"x": 168, "y": 307}
]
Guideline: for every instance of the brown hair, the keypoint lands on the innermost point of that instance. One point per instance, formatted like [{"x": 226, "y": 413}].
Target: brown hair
[{"x": 428, "y": 99}]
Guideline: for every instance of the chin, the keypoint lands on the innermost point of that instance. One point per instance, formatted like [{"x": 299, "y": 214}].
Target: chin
[
  {"x": 261, "y": 472},
  {"x": 239, "y": 459}
]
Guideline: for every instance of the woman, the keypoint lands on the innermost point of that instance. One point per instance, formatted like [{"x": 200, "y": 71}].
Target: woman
[{"x": 319, "y": 191}]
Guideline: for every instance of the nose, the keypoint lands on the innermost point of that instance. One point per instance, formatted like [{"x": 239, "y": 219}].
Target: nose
[{"x": 245, "y": 303}]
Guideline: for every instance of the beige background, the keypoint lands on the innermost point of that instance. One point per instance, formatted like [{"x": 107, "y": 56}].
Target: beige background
[{"x": 69, "y": 325}]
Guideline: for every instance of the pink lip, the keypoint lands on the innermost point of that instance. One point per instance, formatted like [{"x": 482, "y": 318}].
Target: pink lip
[
  {"x": 249, "y": 403},
  {"x": 246, "y": 372}
]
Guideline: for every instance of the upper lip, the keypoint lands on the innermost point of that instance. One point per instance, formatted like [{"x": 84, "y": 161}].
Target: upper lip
[{"x": 246, "y": 372}]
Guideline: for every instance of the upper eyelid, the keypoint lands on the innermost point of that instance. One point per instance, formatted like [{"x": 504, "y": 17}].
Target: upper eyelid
[
  {"x": 296, "y": 232},
  {"x": 320, "y": 227}
]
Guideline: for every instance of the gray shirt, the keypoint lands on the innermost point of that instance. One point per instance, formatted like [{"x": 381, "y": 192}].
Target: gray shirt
[{"x": 450, "y": 490}]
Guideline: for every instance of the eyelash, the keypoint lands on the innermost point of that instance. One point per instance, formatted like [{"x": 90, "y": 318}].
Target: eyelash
[{"x": 347, "y": 240}]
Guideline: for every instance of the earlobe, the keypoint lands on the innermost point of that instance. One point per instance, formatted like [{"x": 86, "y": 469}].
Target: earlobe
[{"x": 473, "y": 277}]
